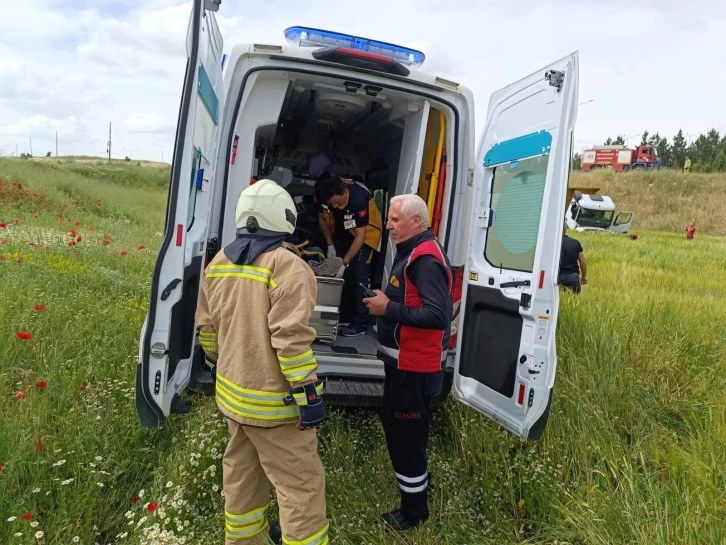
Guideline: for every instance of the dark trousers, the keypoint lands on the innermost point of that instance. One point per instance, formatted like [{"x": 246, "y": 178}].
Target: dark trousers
[
  {"x": 570, "y": 281},
  {"x": 352, "y": 308},
  {"x": 406, "y": 419}
]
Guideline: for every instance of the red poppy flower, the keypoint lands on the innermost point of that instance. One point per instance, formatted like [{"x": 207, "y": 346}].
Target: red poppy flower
[
  {"x": 142, "y": 247},
  {"x": 72, "y": 232},
  {"x": 24, "y": 335},
  {"x": 152, "y": 506},
  {"x": 20, "y": 186},
  {"x": 77, "y": 224},
  {"x": 77, "y": 203},
  {"x": 4, "y": 224},
  {"x": 39, "y": 307},
  {"x": 2, "y": 468},
  {"x": 134, "y": 499},
  {"x": 28, "y": 516},
  {"x": 124, "y": 253},
  {"x": 72, "y": 243},
  {"x": 35, "y": 216},
  {"x": 20, "y": 395},
  {"x": 82, "y": 387},
  {"x": 39, "y": 444},
  {"x": 3, "y": 241},
  {"x": 41, "y": 384},
  {"x": 74, "y": 522}
]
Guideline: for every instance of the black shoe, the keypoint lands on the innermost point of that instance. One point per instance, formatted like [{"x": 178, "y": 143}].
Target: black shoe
[
  {"x": 275, "y": 533},
  {"x": 353, "y": 330},
  {"x": 396, "y": 520}
]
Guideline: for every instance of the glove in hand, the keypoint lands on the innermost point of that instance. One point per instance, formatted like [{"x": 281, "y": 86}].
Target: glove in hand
[
  {"x": 312, "y": 407},
  {"x": 331, "y": 251}
]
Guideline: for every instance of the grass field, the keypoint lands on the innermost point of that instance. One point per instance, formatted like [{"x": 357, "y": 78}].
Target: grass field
[{"x": 634, "y": 451}]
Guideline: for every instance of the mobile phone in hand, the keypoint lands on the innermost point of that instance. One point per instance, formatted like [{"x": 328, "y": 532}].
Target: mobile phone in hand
[{"x": 366, "y": 292}]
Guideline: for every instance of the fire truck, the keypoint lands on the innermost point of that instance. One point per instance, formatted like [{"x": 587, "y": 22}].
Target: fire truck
[{"x": 620, "y": 158}]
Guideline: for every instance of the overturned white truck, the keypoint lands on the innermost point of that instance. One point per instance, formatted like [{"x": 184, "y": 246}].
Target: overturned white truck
[{"x": 592, "y": 212}]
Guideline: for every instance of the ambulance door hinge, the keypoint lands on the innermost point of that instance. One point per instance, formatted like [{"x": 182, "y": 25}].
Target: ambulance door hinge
[
  {"x": 556, "y": 79},
  {"x": 212, "y": 5}
]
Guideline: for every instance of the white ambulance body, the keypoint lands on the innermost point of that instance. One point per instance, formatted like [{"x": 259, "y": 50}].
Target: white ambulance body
[{"x": 500, "y": 206}]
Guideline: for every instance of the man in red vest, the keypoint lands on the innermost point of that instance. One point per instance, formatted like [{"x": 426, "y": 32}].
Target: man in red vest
[{"x": 414, "y": 324}]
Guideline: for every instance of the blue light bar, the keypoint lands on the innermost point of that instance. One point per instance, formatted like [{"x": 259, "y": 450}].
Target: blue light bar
[{"x": 313, "y": 37}]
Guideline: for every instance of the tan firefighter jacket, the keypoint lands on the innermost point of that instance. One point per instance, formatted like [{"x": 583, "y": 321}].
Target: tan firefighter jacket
[{"x": 254, "y": 320}]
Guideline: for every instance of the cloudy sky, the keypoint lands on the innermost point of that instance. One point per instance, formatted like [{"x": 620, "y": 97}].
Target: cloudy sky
[{"x": 73, "y": 66}]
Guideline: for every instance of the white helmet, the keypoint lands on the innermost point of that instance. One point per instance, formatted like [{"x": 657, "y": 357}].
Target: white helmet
[{"x": 265, "y": 205}]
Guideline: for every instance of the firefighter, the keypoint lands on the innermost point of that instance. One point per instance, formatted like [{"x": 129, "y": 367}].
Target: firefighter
[{"x": 253, "y": 322}]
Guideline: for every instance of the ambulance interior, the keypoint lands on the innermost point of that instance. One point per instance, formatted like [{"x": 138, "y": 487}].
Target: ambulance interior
[{"x": 389, "y": 140}]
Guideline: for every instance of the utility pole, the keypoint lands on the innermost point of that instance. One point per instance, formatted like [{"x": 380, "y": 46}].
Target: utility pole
[
  {"x": 56, "y": 143},
  {"x": 31, "y": 145},
  {"x": 109, "y": 141}
]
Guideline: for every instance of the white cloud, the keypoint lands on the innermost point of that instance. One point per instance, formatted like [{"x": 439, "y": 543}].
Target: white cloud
[
  {"x": 76, "y": 65},
  {"x": 150, "y": 123}
]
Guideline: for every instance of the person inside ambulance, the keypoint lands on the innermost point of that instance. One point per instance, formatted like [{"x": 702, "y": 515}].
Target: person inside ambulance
[
  {"x": 320, "y": 165},
  {"x": 358, "y": 226},
  {"x": 253, "y": 321}
]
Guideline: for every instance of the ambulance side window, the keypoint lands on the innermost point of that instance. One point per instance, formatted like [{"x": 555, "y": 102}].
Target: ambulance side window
[
  {"x": 195, "y": 179},
  {"x": 517, "y": 194}
]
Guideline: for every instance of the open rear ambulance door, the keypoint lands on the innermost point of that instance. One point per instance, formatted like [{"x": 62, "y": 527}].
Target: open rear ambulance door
[
  {"x": 168, "y": 335},
  {"x": 506, "y": 360}
]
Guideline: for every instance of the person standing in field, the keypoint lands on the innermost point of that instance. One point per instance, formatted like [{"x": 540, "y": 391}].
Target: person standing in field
[
  {"x": 691, "y": 230},
  {"x": 687, "y": 164},
  {"x": 573, "y": 265},
  {"x": 253, "y": 321},
  {"x": 414, "y": 325}
]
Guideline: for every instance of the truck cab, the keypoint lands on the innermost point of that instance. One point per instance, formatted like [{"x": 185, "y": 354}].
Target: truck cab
[
  {"x": 592, "y": 212},
  {"x": 497, "y": 208}
]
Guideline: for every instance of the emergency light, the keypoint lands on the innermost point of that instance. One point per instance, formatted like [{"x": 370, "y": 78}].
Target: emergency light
[{"x": 313, "y": 37}]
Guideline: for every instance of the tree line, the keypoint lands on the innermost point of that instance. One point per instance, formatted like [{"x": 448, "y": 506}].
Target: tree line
[{"x": 707, "y": 152}]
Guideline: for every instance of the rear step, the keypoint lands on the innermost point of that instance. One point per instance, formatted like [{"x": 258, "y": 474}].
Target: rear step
[{"x": 353, "y": 393}]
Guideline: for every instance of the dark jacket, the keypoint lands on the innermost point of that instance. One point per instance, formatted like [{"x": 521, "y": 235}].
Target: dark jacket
[{"x": 413, "y": 335}]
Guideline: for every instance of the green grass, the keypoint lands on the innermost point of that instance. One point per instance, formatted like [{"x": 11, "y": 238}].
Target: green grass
[{"x": 633, "y": 453}]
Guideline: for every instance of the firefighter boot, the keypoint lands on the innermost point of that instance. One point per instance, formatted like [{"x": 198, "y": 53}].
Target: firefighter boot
[{"x": 275, "y": 532}]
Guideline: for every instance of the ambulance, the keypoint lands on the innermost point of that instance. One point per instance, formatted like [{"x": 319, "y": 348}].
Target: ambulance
[{"x": 497, "y": 208}]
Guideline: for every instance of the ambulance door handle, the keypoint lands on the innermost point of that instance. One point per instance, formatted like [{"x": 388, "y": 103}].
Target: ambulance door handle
[{"x": 167, "y": 290}]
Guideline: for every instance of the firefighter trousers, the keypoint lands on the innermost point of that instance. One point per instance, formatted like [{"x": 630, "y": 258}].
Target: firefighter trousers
[
  {"x": 406, "y": 419},
  {"x": 288, "y": 459}
]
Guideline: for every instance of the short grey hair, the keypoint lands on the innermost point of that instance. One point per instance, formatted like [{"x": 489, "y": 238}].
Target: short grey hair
[{"x": 413, "y": 205}]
